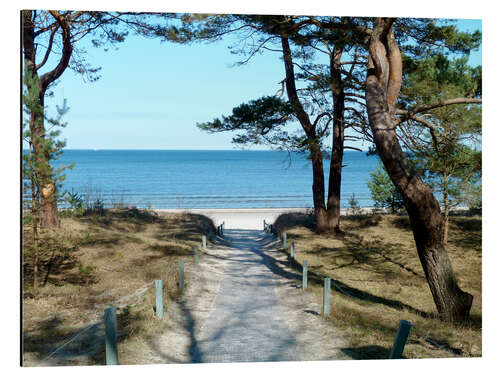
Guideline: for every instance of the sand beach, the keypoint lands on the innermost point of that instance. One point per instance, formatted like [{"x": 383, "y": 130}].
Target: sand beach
[{"x": 246, "y": 218}]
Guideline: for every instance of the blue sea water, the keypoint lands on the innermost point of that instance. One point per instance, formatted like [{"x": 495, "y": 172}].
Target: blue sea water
[{"x": 208, "y": 179}]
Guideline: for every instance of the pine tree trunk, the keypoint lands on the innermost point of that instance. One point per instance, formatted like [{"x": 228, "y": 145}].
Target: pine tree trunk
[
  {"x": 35, "y": 221},
  {"x": 335, "y": 178},
  {"x": 318, "y": 188},
  {"x": 49, "y": 216},
  {"x": 382, "y": 88}
]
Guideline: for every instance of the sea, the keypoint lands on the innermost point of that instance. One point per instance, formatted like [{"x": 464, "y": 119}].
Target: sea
[{"x": 186, "y": 179}]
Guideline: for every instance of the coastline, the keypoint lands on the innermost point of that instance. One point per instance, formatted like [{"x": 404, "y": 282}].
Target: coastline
[
  {"x": 253, "y": 218},
  {"x": 245, "y": 218}
]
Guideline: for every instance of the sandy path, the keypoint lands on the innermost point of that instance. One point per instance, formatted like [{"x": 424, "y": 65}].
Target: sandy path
[
  {"x": 243, "y": 304},
  {"x": 247, "y": 323}
]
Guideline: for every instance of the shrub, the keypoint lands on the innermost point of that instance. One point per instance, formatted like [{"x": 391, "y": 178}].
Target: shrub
[
  {"x": 354, "y": 205},
  {"x": 384, "y": 193}
]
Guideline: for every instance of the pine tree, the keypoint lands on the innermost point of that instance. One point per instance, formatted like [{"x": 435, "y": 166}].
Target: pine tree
[
  {"x": 444, "y": 141},
  {"x": 383, "y": 85},
  {"x": 38, "y": 164},
  {"x": 384, "y": 193}
]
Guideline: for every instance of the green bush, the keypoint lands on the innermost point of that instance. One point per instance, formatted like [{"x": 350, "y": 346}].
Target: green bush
[
  {"x": 354, "y": 205},
  {"x": 384, "y": 193}
]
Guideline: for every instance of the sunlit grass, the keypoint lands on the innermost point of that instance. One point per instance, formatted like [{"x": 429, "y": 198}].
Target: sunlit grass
[
  {"x": 377, "y": 280},
  {"x": 101, "y": 261}
]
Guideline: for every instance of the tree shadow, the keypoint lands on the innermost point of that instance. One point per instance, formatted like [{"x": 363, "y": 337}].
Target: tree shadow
[
  {"x": 53, "y": 344},
  {"x": 366, "y": 221},
  {"x": 469, "y": 232},
  {"x": 278, "y": 267},
  {"x": 82, "y": 346},
  {"x": 401, "y": 222},
  {"x": 292, "y": 219},
  {"x": 188, "y": 227},
  {"x": 368, "y": 352}
]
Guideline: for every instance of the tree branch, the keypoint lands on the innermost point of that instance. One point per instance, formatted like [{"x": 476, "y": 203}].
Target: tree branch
[
  {"x": 49, "y": 48},
  {"x": 410, "y": 113},
  {"x": 51, "y": 76}
]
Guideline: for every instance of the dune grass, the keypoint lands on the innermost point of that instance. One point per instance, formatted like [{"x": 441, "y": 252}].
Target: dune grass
[
  {"x": 97, "y": 261},
  {"x": 377, "y": 280}
]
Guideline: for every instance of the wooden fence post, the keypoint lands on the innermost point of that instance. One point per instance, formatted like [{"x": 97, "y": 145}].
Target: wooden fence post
[
  {"x": 196, "y": 258},
  {"x": 204, "y": 242},
  {"x": 284, "y": 241},
  {"x": 110, "y": 336},
  {"x": 326, "y": 296},
  {"x": 292, "y": 250},
  {"x": 159, "y": 298},
  {"x": 400, "y": 341},
  {"x": 304, "y": 275},
  {"x": 181, "y": 275}
]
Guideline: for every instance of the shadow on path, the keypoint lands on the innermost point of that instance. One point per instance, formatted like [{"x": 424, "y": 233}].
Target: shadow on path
[
  {"x": 247, "y": 323},
  {"x": 270, "y": 242}
]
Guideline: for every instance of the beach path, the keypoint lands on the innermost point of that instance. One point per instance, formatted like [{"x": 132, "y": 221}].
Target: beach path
[
  {"x": 244, "y": 303},
  {"x": 247, "y": 322}
]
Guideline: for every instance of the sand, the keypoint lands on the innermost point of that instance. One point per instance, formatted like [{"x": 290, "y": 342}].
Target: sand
[
  {"x": 239, "y": 218},
  {"x": 245, "y": 218},
  {"x": 243, "y": 303}
]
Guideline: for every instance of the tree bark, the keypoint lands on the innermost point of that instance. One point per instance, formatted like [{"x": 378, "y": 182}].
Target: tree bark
[
  {"x": 47, "y": 194},
  {"x": 335, "y": 178},
  {"x": 383, "y": 83},
  {"x": 318, "y": 186}
]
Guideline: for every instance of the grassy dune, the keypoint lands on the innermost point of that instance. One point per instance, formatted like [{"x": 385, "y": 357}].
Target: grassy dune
[
  {"x": 377, "y": 280},
  {"x": 96, "y": 261}
]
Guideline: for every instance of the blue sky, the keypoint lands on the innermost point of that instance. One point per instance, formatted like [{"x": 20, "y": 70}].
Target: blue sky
[{"x": 152, "y": 94}]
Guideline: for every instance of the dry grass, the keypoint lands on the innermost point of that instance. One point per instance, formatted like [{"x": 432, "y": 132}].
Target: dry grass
[
  {"x": 94, "y": 262},
  {"x": 377, "y": 280}
]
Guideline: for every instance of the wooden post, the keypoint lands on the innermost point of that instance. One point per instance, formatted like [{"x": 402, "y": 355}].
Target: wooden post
[
  {"x": 110, "y": 336},
  {"x": 204, "y": 242},
  {"x": 284, "y": 241},
  {"x": 304, "y": 275},
  {"x": 292, "y": 250},
  {"x": 326, "y": 296},
  {"x": 181, "y": 275},
  {"x": 196, "y": 259},
  {"x": 400, "y": 341},
  {"x": 159, "y": 298}
]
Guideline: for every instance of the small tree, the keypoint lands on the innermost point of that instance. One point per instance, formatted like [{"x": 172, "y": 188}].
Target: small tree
[
  {"x": 32, "y": 164},
  {"x": 444, "y": 141},
  {"x": 384, "y": 193},
  {"x": 354, "y": 205}
]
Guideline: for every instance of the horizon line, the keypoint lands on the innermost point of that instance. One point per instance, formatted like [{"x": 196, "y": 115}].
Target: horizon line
[{"x": 176, "y": 149}]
